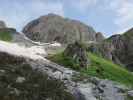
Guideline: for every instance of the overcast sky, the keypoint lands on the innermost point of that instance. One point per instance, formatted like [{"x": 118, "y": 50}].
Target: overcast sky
[{"x": 107, "y": 16}]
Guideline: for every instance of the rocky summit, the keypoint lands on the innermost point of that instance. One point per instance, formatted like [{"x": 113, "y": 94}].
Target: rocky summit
[{"x": 52, "y": 27}]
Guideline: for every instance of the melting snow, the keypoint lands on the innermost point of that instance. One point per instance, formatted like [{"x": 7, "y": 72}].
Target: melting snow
[
  {"x": 34, "y": 52},
  {"x": 56, "y": 44}
]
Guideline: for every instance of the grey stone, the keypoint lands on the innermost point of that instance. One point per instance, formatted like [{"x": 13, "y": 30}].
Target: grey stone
[{"x": 130, "y": 93}]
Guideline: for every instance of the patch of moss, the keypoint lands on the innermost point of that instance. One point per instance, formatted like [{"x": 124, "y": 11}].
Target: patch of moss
[
  {"x": 5, "y": 36},
  {"x": 65, "y": 61}
]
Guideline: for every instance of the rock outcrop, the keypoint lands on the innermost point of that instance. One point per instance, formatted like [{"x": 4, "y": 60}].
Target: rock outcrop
[
  {"x": 2, "y": 24},
  {"x": 123, "y": 48},
  {"x": 118, "y": 48},
  {"x": 78, "y": 53},
  {"x": 99, "y": 37},
  {"x": 56, "y": 28}
]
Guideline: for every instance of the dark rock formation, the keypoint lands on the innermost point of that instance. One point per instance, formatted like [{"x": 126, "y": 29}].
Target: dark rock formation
[
  {"x": 56, "y": 28},
  {"x": 118, "y": 48},
  {"x": 99, "y": 37},
  {"x": 123, "y": 48},
  {"x": 78, "y": 53}
]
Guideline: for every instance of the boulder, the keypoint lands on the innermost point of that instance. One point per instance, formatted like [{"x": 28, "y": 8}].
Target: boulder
[{"x": 78, "y": 53}]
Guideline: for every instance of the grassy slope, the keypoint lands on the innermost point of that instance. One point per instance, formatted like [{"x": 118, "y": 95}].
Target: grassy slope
[
  {"x": 99, "y": 67},
  {"x": 5, "y": 36}
]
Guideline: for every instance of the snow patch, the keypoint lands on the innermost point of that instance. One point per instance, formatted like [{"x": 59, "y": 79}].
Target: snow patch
[
  {"x": 56, "y": 44},
  {"x": 34, "y": 52}
]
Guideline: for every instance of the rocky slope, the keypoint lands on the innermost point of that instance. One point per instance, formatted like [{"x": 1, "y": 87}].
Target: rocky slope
[
  {"x": 56, "y": 28},
  {"x": 21, "y": 81},
  {"x": 118, "y": 48},
  {"x": 18, "y": 81}
]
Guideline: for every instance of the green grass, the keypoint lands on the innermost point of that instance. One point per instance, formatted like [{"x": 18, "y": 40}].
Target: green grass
[
  {"x": 99, "y": 67},
  {"x": 65, "y": 61},
  {"x": 5, "y": 36},
  {"x": 107, "y": 70}
]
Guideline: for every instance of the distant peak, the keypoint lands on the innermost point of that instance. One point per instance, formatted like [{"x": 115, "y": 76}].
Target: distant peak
[{"x": 50, "y": 15}]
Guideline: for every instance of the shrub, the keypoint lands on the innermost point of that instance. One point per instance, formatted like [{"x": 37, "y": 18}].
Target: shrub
[{"x": 35, "y": 86}]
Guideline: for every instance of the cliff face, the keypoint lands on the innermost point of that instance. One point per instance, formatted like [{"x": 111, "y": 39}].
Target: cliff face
[
  {"x": 118, "y": 48},
  {"x": 56, "y": 28},
  {"x": 123, "y": 48},
  {"x": 128, "y": 49}
]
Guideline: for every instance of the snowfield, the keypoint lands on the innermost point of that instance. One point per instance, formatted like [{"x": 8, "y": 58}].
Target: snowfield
[{"x": 34, "y": 52}]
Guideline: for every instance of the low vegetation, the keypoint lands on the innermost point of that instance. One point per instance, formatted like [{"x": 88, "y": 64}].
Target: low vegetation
[
  {"x": 18, "y": 81},
  {"x": 99, "y": 67},
  {"x": 5, "y": 36}
]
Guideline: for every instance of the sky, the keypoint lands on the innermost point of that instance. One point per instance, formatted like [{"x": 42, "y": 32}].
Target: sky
[{"x": 106, "y": 16}]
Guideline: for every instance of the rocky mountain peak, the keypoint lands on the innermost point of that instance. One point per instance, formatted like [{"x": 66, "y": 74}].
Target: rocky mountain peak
[{"x": 53, "y": 27}]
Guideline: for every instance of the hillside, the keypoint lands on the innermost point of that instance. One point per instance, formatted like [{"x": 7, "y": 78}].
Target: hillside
[
  {"x": 19, "y": 81},
  {"x": 99, "y": 67},
  {"x": 63, "y": 59},
  {"x": 25, "y": 73}
]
